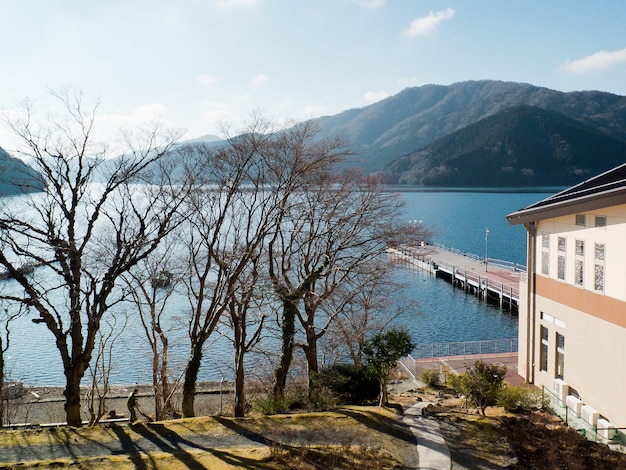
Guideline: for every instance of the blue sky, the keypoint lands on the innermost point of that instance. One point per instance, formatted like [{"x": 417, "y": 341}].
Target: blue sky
[{"x": 198, "y": 63}]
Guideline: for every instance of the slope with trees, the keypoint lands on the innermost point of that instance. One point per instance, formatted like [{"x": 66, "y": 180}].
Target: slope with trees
[
  {"x": 16, "y": 177},
  {"x": 520, "y": 146},
  {"x": 417, "y": 116}
]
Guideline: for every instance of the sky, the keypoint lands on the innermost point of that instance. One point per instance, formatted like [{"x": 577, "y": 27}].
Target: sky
[{"x": 199, "y": 64}]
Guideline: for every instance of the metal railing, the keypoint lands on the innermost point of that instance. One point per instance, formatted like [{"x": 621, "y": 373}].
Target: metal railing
[
  {"x": 490, "y": 261},
  {"x": 575, "y": 421},
  {"x": 464, "y": 348}
]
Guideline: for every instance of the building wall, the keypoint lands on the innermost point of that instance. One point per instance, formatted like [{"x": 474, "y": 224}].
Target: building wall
[{"x": 587, "y": 308}]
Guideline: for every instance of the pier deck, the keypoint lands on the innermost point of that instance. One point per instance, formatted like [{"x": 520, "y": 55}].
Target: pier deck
[{"x": 495, "y": 281}]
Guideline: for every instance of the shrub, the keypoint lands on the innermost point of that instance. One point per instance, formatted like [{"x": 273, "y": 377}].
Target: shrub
[
  {"x": 431, "y": 378},
  {"x": 483, "y": 383},
  {"x": 520, "y": 399},
  {"x": 457, "y": 383},
  {"x": 348, "y": 384},
  {"x": 268, "y": 406}
]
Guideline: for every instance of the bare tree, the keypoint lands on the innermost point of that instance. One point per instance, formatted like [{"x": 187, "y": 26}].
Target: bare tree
[
  {"x": 372, "y": 307},
  {"x": 231, "y": 213},
  {"x": 100, "y": 369},
  {"x": 246, "y": 328},
  {"x": 91, "y": 225},
  {"x": 5, "y": 340},
  {"x": 150, "y": 287},
  {"x": 342, "y": 231}
]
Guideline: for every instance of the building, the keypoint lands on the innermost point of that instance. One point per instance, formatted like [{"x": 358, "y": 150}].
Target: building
[{"x": 572, "y": 314}]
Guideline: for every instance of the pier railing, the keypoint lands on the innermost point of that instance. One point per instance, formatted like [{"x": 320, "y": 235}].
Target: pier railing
[
  {"x": 490, "y": 261},
  {"x": 464, "y": 348}
]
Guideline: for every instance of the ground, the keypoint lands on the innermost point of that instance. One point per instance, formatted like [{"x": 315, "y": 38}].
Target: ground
[
  {"x": 499, "y": 440},
  {"x": 537, "y": 440}
]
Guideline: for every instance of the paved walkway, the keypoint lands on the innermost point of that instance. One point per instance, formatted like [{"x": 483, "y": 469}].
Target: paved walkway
[
  {"x": 441, "y": 256},
  {"x": 432, "y": 449}
]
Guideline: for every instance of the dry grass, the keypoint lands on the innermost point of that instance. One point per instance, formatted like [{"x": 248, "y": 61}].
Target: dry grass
[{"x": 352, "y": 437}]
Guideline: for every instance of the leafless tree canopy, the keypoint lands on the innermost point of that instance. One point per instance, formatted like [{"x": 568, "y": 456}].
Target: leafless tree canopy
[
  {"x": 92, "y": 224},
  {"x": 265, "y": 226}
]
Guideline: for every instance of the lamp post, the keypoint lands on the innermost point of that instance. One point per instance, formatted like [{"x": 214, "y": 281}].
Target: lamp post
[{"x": 486, "y": 247}]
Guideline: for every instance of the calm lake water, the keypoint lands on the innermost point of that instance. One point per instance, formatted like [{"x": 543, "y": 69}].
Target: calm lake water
[{"x": 458, "y": 218}]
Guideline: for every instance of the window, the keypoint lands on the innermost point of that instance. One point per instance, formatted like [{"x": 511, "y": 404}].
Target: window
[
  {"x": 543, "y": 354},
  {"x": 600, "y": 221},
  {"x": 580, "y": 248},
  {"x": 545, "y": 254},
  {"x": 598, "y": 272},
  {"x": 580, "y": 219},
  {"x": 579, "y": 263},
  {"x": 561, "y": 258},
  {"x": 560, "y": 355}
]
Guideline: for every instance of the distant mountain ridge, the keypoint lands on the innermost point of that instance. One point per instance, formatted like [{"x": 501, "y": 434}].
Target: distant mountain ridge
[
  {"x": 520, "y": 146},
  {"x": 473, "y": 133},
  {"x": 410, "y": 120},
  {"x": 16, "y": 177}
]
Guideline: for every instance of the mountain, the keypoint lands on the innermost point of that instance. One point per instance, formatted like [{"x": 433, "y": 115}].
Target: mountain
[
  {"x": 520, "y": 146},
  {"x": 16, "y": 177},
  {"x": 416, "y": 117}
]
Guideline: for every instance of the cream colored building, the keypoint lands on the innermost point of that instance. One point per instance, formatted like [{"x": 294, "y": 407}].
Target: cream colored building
[{"x": 572, "y": 312}]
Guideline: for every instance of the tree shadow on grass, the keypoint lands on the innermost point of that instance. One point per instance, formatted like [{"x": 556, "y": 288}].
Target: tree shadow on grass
[
  {"x": 164, "y": 439},
  {"x": 395, "y": 428}
]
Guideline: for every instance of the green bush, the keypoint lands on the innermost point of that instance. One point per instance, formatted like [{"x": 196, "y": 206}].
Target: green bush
[
  {"x": 457, "y": 383},
  {"x": 322, "y": 398},
  {"x": 431, "y": 378},
  {"x": 520, "y": 399},
  {"x": 348, "y": 384},
  {"x": 268, "y": 406}
]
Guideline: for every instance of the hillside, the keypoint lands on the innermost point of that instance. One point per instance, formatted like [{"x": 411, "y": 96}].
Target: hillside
[
  {"x": 520, "y": 146},
  {"x": 415, "y": 117},
  {"x": 16, "y": 177}
]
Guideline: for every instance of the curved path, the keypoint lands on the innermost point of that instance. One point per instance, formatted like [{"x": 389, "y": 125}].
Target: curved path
[{"x": 432, "y": 449}]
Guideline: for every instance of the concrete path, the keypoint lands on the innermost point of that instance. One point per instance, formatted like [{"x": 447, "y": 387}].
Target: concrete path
[{"x": 433, "y": 451}]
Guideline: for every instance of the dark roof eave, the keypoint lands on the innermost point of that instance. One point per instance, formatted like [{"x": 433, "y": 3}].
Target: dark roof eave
[{"x": 595, "y": 201}]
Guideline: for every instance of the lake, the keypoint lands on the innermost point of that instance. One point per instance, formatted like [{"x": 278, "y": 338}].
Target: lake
[{"x": 458, "y": 218}]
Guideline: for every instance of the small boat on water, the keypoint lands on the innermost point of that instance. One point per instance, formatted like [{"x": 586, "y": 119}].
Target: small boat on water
[
  {"x": 162, "y": 279},
  {"x": 24, "y": 268}
]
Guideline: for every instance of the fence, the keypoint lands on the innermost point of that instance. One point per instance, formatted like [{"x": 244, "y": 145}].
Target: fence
[
  {"x": 493, "y": 262},
  {"x": 465, "y": 348},
  {"x": 575, "y": 421}
]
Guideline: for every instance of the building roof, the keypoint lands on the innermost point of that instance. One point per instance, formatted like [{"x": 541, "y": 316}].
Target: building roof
[{"x": 605, "y": 190}]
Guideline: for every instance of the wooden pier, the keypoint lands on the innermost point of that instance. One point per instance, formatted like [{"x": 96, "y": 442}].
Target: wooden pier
[{"x": 494, "y": 281}]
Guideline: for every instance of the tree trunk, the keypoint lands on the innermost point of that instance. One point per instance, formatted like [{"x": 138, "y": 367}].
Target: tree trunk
[
  {"x": 73, "y": 376},
  {"x": 158, "y": 395},
  {"x": 191, "y": 377},
  {"x": 2, "y": 401},
  {"x": 240, "y": 349},
  {"x": 240, "y": 389},
  {"x": 288, "y": 327},
  {"x": 383, "y": 392},
  {"x": 310, "y": 351}
]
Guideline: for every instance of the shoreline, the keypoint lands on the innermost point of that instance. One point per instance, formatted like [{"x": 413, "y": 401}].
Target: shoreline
[{"x": 44, "y": 406}]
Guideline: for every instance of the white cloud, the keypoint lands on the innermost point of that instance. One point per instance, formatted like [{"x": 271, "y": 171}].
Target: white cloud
[
  {"x": 206, "y": 80},
  {"x": 370, "y": 4},
  {"x": 109, "y": 125},
  {"x": 259, "y": 79},
  {"x": 597, "y": 61},
  {"x": 374, "y": 96},
  {"x": 427, "y": 24}
]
